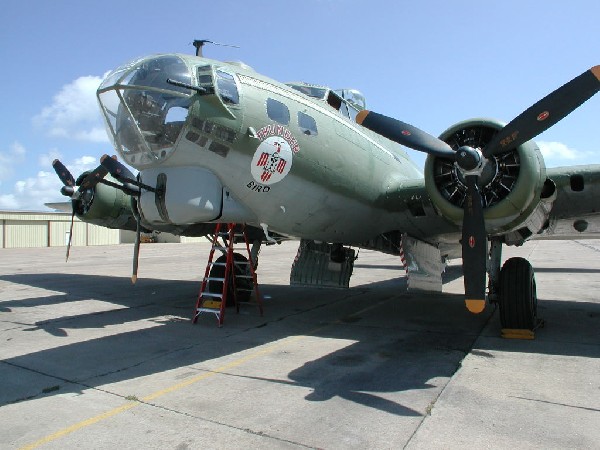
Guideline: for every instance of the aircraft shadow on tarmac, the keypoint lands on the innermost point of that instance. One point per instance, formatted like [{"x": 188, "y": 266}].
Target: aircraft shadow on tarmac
[
  {"x": 402, "y": 340},
  {"x": 566, "y": 270}
]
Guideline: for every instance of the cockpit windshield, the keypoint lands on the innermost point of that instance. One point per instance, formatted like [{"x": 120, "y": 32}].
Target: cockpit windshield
[
  {"x": 347, "y": 101},
  {"x": 310, "y": 90},
  {"x": 144, "y": 113}
]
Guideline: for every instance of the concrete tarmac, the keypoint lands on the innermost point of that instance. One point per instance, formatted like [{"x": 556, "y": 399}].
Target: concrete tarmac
[{"x": 89, "y": 361}]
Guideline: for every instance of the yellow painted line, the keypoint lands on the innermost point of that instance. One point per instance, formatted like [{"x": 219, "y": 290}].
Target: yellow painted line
[
  {"x": 78, "y": 426},
  {"x": 113, "y": 412}
]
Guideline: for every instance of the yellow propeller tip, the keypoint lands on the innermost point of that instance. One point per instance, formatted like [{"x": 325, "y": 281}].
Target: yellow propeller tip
[
  {"x": 133, "y": 279},
  {"x": 361, "y": 116},
  {"x": 596, "y": 71},
  {"x": 475, "y": 306}
]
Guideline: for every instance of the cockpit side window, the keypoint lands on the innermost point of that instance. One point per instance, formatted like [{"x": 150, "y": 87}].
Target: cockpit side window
[
  {"x": 205, "y": 78},
  {"x": 311, "y": 91},
  {"x": 307, "y": 124},
  {"x": 227, "y": 88},
  {"x": 353, "y": 111},
  {"x": 334, "y": 100},
  {"x": 278, "y": 112}
]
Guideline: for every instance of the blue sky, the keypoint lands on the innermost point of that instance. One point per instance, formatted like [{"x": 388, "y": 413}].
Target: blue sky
[{"x": 428, "y": 63}]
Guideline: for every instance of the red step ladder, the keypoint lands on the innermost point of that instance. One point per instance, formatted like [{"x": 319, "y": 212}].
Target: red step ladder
[{"x": 230, "y": 275}]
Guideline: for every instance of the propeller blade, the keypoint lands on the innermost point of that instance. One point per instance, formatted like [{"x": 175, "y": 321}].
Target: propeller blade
[
  {"x": 474, "y": 248},
  {"x": 93, "y": 178},
  {"x": 70, "y": 234},
  {"x": 63, "y": 173},
  {"x": 116, "y": 169},
  {"x": 545, "y": 113},
  {"x": 404, "y": 134},
  {"x": 136, "y": 249}
]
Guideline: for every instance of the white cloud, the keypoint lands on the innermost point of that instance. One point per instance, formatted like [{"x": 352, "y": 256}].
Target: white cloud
[
  {"x": 82, "y": 164},
  {"x": 18, "y": 150},
  {"x": 8, "y": 201},
  {"x": 74, "y": 112},
  {"x": 31, "y": 193},
  {"x": 9, "y": 158},
  {"x": 46, "y": 159},
  {"x": 558, "y": 150}
]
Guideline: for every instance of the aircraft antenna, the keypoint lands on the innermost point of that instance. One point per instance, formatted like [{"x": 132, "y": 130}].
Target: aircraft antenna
[{"x": 199, "y": 43}]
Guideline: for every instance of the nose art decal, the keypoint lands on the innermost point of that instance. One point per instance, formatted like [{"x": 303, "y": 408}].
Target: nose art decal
[{"x": 272, "y": 160}]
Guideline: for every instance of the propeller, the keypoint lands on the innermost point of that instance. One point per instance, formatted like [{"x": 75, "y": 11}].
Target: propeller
[
  {"x": 63, "y": 173},
  {"x": 546, "y": 113},
  {"x": 132, "y": 183},
  {"x": 68, "y": 190},
  {"x": 136, "y": 246},
  {"x": 131, "y": 186},
  {"x": 116, "y": 169},
  {"x": 527, "y": 125}
]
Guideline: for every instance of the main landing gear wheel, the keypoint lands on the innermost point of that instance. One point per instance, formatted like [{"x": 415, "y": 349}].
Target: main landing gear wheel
[
  {"x": 518, "y": 297},
  {"x": 244, "y": 285}
]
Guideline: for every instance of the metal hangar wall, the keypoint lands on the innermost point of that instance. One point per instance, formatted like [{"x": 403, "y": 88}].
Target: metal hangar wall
[{"x": 20, "y": 229}]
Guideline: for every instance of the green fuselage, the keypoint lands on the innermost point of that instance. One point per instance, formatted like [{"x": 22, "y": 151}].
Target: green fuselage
[
  {"x": 222, "y": 143},
  {"x": 330, "y": 179}
]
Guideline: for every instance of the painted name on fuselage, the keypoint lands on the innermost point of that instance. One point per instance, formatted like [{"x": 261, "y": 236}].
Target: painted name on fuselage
[
  {"x": 281, "y": 131},
  {"x": 258, "y": 187}
]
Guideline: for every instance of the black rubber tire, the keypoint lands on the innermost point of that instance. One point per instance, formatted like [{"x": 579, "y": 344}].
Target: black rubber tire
[
  {"x": 518, "y": 297},
  {"x": 218, "y": 271}
]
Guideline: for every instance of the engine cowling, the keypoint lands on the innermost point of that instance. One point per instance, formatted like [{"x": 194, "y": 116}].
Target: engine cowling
[
  {"x": 513, "y": 185},
  {"x": 105, "y": 206}
]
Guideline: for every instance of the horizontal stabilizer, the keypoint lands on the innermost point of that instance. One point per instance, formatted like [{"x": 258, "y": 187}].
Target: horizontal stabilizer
[{"x": 60, "y": 206}]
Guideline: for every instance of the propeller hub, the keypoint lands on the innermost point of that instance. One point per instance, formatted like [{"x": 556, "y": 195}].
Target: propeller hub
[
  {"x": 469, "y": 160},
  {"x": 67, "y": 191}
]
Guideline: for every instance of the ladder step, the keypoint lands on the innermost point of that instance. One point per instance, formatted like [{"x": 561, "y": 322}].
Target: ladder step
[
  {"x": 211, "y": 304},
  {"x": 226, "y": 233},
  {"x": 210, "y": 294},
  {"x": 227, "y": 238},
  {"x": 237, "y": 263},
  {"x": 207, "y": 310},
  {"x": 224, "y": 249}
]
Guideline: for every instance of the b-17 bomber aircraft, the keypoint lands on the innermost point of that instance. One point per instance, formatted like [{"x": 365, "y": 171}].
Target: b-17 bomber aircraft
[{"x": 217, "y": 142}]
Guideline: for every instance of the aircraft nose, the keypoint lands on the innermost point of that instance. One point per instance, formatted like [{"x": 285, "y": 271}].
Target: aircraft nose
[{"x": 145, "y": 113}]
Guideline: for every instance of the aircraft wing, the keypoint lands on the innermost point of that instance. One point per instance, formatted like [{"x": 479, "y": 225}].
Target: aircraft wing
[
  {"x": 576, "y": 210},
  {"x": 574, "y": 213}
]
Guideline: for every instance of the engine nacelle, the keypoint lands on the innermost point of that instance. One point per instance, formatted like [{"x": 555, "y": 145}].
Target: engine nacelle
[
  {"x": 105, "y": 206},
  {"x": 513, "y": 185}
]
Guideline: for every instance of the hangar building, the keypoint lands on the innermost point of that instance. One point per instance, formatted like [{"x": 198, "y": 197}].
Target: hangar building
[{"x": 20, "y": 229}]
